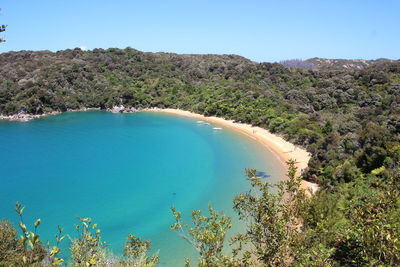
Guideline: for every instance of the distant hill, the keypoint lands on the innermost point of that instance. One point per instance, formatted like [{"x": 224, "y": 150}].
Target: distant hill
[
  {"x": 332, "y": 64},
  {"x": 324, "y": 63}
]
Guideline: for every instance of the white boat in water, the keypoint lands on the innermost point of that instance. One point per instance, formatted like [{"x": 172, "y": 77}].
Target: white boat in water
[{"x": 217, "y": 128}]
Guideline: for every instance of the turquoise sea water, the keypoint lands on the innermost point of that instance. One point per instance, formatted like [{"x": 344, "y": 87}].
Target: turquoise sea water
[{"x": 124, "y": 171}]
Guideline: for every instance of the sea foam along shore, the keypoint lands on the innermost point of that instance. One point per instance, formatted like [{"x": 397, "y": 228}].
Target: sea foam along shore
[{"x": 280, "y": 147}]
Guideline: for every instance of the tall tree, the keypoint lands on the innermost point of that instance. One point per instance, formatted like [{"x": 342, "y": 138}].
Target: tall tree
[{"x": 2, "y": 29}]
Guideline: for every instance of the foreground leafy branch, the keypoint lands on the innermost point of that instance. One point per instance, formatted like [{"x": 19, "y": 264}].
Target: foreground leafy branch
[
  {"x": 87, "y": 249},
  {"x": 136, "y": 253},
  {"x": 206, "y": 235},
  {"x": 34, "y": 253},
  {"x": 272, "y": 216},
  {"x": 358, "y": 224}
]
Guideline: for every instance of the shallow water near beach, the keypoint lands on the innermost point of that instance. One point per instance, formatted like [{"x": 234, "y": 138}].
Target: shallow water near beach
[{"x": 124, "y": 171}]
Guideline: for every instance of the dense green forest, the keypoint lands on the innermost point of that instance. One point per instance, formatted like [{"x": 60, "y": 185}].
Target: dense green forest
[{"x": 346, "y": 115}]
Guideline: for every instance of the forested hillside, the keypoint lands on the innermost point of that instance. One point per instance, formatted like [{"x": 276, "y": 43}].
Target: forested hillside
[{"x": 347, "y": 117}]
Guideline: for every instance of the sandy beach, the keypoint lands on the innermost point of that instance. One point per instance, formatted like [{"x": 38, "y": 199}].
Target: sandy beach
[
  {"x": 283, "y": 149},
  {"x": 274, "y": 143}
]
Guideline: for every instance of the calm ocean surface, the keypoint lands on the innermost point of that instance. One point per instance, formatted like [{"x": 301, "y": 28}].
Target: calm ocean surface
[{"x": 124, "y": 171}]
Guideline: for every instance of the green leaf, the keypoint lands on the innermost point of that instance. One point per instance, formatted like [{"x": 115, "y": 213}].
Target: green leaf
[
  {"x": 23, "y": 227},
  {"x": 30, "y": 244},
  {"x": 37, "y": 223}
]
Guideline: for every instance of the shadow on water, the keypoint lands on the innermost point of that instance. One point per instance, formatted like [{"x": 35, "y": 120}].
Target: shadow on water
[{"x": 263, "y": 175}]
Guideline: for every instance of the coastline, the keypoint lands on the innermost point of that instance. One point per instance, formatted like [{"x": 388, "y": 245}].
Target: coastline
[
  {"x": 24, "y": 117},
  {"x": 283, "y": 149}
]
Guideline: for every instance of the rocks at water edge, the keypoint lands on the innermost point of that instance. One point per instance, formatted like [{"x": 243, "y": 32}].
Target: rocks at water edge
[
  {"x": 22, "y": 116},
  {"x": 122, "y": 109}
]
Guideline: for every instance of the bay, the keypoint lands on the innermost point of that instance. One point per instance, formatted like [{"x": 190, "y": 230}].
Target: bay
[{"x": 125, "y": 171}]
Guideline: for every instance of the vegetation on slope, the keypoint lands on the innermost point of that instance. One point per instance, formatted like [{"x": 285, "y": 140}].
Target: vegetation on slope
[{"x": 348, "y": 118}]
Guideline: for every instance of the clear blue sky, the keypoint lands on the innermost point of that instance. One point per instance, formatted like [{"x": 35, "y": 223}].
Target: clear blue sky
[{"x": 259, "y": 30}]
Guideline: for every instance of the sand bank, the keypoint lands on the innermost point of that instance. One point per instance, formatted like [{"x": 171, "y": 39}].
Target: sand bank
[{"x": 276, "y": 144}]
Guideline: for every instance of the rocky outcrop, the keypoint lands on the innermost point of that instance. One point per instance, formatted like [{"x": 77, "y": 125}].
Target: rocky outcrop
[
  {"x": 122, "y": 109},
  {"x": 25, "y": 117}
]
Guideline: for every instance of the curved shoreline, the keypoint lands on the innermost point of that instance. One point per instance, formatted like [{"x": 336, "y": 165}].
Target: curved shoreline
[
  {"x": 283, "y": 149},
  {"x": 274, "y": 143}
]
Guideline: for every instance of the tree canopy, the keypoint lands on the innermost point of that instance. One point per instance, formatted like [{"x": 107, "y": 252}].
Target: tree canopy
[{"x": 346, "y": 114}]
